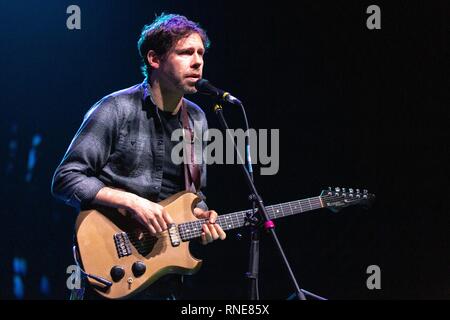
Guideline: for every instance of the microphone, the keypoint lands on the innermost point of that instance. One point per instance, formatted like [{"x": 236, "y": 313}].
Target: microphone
[{"x": 205, "y": 87}]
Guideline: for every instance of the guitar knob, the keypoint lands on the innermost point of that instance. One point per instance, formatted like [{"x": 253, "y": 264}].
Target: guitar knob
[
  {"x": 117, "y": 273},
  {"x": 138, "y": 268}
]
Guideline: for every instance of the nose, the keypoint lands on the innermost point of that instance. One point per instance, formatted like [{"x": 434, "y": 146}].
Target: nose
[{"x": 197, "y": 61}]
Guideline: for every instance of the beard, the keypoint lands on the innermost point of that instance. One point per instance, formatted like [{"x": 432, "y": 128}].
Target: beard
[
  {"x": 187, "y": 86},
  {"x": 190, "y": 90},
  {"x": 178, "y": 83}
]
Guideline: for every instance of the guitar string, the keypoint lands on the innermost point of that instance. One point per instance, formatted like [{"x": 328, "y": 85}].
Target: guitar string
[
  {"x": 236, "y": 219},
  {"x": 145, "y": 243},
  {"x": 197, "y": 232},
  {"x": 274, "y": 209}
]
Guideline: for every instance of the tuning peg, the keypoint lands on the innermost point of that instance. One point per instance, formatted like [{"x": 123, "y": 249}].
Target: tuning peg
[
  {"x": 330, "y": 189},
  {"x": 343, "y": 190},
  {"x": 365, "y": 191},
  {"x": 358, "y": 191},
  {"x": 350, "y": 190},
  {"x": 337, "y": 189}
]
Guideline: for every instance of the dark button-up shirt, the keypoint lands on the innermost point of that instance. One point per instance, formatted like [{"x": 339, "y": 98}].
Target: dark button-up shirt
[{"x": 120, "y": 144}]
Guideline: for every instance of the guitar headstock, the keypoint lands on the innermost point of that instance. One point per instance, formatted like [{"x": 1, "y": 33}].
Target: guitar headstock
[{"x": 338, "y": 198}]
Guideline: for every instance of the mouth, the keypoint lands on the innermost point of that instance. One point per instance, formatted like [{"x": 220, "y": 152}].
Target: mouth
[{"x": 193, "y": 76}]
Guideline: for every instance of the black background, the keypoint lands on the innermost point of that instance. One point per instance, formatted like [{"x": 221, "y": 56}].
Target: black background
[{"x": 355, "y": 108}]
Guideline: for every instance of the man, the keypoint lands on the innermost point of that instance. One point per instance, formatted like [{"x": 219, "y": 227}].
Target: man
[{"x": 121, "y": 155}]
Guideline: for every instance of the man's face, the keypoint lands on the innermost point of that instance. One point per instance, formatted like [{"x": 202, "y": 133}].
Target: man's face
[{"x": 183, "y": 65}]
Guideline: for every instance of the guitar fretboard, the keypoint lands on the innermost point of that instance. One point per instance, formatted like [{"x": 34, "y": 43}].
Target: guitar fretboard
[{"x": 193, "y": 229}]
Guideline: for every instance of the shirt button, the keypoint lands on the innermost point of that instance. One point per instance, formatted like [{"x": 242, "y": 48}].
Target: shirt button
[{"x": 160, "y": 142}]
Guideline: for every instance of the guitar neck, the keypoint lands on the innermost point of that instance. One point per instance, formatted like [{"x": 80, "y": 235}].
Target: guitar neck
[{"x": 193, "y": 229}]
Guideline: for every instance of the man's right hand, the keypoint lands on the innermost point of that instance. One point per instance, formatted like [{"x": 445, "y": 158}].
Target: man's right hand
[{"x": 150, "y": 214}]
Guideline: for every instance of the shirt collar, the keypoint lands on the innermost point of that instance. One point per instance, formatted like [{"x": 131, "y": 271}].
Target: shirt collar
[{"x": 148, "y": 99}]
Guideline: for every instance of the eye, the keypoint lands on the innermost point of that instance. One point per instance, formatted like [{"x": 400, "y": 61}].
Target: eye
[{"x": 186, "y": 52}]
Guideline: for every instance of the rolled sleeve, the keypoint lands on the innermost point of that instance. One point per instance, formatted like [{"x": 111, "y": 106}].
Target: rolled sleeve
[
  {"x": 75, "y": 181},
  {"x": 86, "y": 191}
]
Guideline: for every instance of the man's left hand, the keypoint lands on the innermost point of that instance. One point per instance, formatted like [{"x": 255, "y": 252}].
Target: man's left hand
[{"x": 211, "y": 230}]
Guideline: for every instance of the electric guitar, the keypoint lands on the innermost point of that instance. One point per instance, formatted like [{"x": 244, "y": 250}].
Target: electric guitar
[{"x": 120, "y": 257}]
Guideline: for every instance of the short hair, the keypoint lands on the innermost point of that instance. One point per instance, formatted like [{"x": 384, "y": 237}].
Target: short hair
[{"x": 163, "y": 33}]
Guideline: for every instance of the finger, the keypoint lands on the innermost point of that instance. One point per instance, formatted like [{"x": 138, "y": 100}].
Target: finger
[
  {"x": 212, "y": 216},
  {"x": 145, "y": 222},
  {"x": 203, "y": 235},
  {"x": 161, "y": 222},
  {"x": 166, "y": 216},
  {"x": 208, "y": 235},
  {"x": 222, "y": 234},
  {"x": 213, "y": 231},
  {"x": 154, "y": 222},
  {"x": 152, "y": 230},
  {"x": 198, "y": 212}
]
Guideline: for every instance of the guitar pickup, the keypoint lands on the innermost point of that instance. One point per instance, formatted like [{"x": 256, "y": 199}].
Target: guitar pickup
[
  {"x": 122, "y": 243},
  {"x": 174, "y": 235}
]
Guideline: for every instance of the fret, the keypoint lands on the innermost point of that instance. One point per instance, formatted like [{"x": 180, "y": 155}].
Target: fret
[
  {"x": 290, "y": 208},
  {"x": 270, "y": 212},
  {"x": 300, "y": 206},
  {"x": 277, "y": 210},
  {"x": 296, "y": 206},
  {"x": 309, "y": 202}
]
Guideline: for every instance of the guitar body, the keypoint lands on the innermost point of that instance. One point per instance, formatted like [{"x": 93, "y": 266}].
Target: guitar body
[{"x": 102, "y": 246}]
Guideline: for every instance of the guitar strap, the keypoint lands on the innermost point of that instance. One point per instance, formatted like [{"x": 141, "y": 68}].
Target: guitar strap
[{"x": 191, "y": 166}]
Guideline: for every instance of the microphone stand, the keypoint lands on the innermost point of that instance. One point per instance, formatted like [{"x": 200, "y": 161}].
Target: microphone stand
[
  {"x": 268, "y": 224},
  {"x": 253, "y": 273}
]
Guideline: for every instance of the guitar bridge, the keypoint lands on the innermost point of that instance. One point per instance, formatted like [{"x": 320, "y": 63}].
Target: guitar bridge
[
  {"x": 123, "y": 246},
  {"x": 174, "y": 235}
]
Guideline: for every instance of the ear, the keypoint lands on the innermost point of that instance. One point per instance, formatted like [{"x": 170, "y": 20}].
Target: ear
[{"x": 153, "y": 60}]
